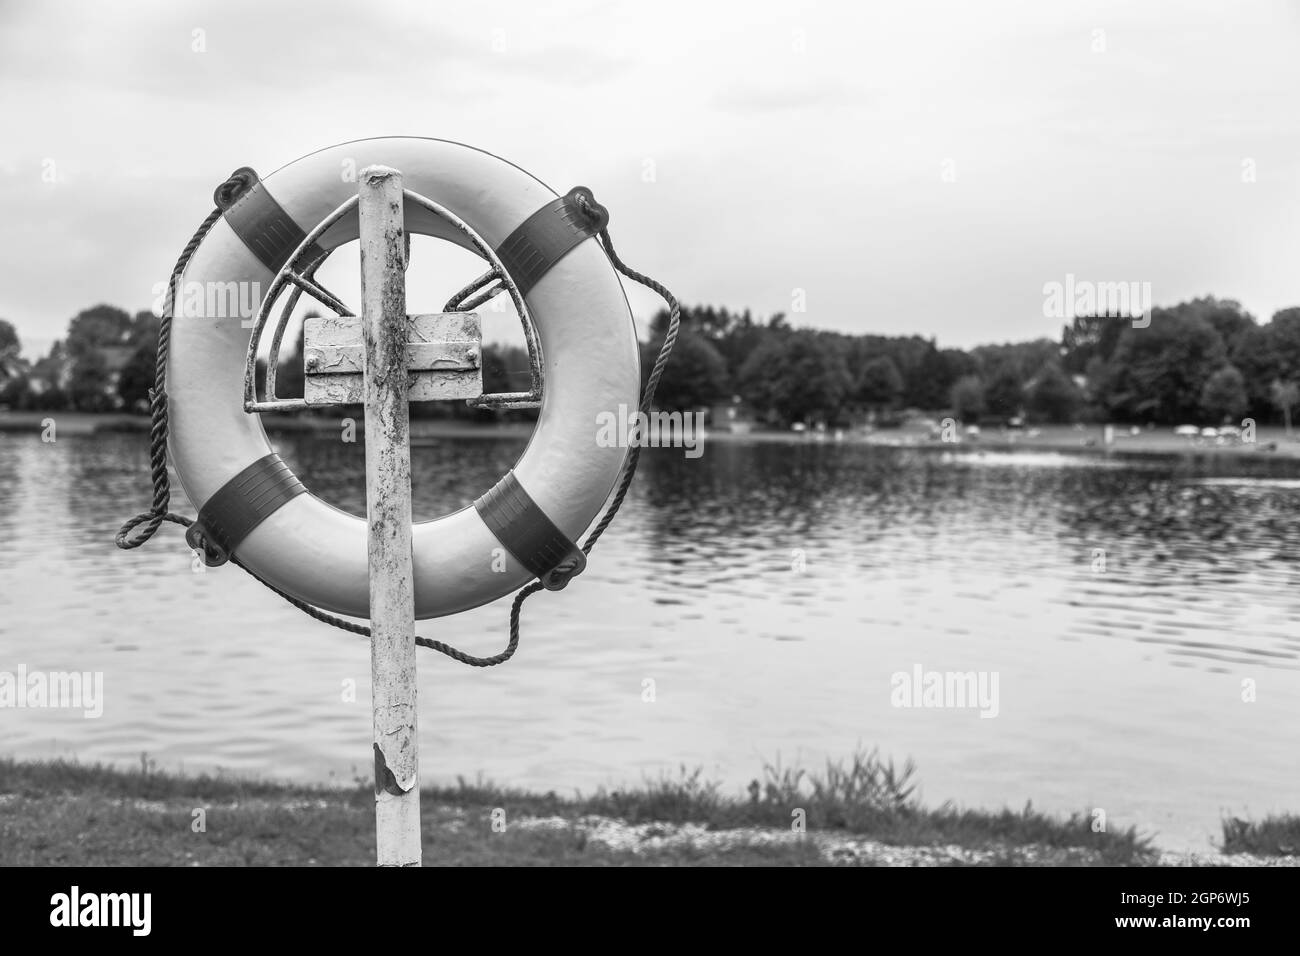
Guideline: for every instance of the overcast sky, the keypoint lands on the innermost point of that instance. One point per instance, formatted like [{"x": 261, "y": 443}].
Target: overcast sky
[{"x": 913, "y": 167}]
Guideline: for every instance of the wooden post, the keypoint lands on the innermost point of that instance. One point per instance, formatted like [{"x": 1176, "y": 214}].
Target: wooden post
[{"x": 388, "y": 507}]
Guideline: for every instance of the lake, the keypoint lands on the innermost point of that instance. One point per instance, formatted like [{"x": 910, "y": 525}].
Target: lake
[{"x": 1140, "y": 617}]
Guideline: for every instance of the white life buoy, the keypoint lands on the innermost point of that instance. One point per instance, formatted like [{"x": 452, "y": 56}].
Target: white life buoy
[{"x": 316, "y": 552}]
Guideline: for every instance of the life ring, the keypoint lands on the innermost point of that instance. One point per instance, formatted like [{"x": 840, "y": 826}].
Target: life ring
[{"x": 316, "y": 552}]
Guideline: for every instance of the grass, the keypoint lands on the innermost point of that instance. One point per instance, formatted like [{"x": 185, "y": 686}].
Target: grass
[
  {"x": 1275, "y": 835},
  {"x": 866, "y": 796},
  {"x": 67, "y": 813}
]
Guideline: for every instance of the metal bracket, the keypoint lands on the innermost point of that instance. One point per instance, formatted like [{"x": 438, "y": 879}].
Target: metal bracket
[
  {"x": 517, "y": 265},
  {"x": 443, "y": 358},
  {"x": 528, "y": 253},
  {"x": 299, "y": 270}
]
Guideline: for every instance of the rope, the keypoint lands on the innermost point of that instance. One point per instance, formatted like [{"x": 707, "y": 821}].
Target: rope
[
  {"x": 648, "y": 394},
  {"x": 158, "y": 512},
  {"x": 162, "y": 492}
]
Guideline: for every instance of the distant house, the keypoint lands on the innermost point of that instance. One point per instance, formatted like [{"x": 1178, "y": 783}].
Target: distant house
[
  {"x": 733, "y": 416},
  {"x": 51, "y": 373},
  {"x": 115, "y": 359},
  {"x": 12, "y": 367},
  {"x": 14, "y": 371},
  {"x": 56, "y": 371}
]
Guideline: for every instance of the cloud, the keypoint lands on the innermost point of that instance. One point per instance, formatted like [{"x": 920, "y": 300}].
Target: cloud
[{"x": 809, "y": 139}]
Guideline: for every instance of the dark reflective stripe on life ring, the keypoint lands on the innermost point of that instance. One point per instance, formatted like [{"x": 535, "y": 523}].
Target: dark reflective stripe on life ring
[
  {"x": 549, "y": 234},
  {"x": 529, "y": 535},
  {"x": 260, "y": 222},
  {"x": 239, "y": 506}
]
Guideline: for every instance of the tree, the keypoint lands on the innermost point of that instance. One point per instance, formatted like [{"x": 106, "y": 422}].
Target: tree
[
  {"x": 1285, "y": 395},
  {"x": 144, "y": 330},
  {"x": 1090, "y": 337},
  {"x": 95, "y": 328},
  {"x": 1253, "y": 353},
  {"x": 739, "y": 341},
  {"x": 967, "y": 398},
  {"x": 696, "y": 374},
  {"x": 796, "y": 376},
  {"x": 1097, "y": 387},
  {"x": 1004, "y": 393},
  {"x": 45, "y": 381},
  {"x": 930, "y": 384},
  {"x": 1283, "y": 344},
  {"x": 506, "y": 369},
  {"x": 136, "y": 378},
  {"x": 13, "y": 369},
  {"x": 89, "y": 386},
  {"x": 90, "y": 333},
  {"x": 1224, "y": 395},
  {"x": 1052, "y": 395},
  {"x": 9, "y": 344},
  {"x": 880, "y": 384},
  {"x": 1024, "y": 358},
  {"x": 733, "y": 335},
  {"x": 11, "y": 366},
  {"x": 1227, "y": 317},
  {"x": 1157, "y": 372},
  {"x": 909, "y": 354}
]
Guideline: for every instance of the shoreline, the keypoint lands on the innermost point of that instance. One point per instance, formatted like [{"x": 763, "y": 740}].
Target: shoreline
[
  {"x": 1271, "y": 443},
  {"x": 66, "y": 813}
]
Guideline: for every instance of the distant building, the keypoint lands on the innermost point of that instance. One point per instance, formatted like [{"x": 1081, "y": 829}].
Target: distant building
[
  {"x": 733, "y": 416},
  {"x": 12, "y": 367},
  {"x": 56, "y": 371},
  {"x": 115, "y": 359},
  {"x": 51, "y": 373}
]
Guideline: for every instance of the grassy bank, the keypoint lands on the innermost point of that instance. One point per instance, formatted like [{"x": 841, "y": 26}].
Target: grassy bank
[
  {"x": 1275, "y": 835},
  {"x": 72, "y": 423},
  {"x": 861, "y": 812}
]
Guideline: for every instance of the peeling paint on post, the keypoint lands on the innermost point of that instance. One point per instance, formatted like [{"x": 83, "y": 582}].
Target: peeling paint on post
[{"x": 388, "y": 508}]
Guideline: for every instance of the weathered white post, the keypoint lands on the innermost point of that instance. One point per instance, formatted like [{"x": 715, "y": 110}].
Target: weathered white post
[{"x": 388, "y": 507}]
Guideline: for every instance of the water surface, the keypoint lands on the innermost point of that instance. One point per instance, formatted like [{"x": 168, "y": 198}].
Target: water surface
[{"x": 768, "y": 590}]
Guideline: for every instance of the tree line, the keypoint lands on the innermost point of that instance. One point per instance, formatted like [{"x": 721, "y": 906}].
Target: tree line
[
  {"x": 1203, "y": 361},
  {"x": 106, "y": 362}
]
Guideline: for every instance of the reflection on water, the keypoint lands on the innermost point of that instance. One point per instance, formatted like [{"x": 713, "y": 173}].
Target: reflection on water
[{"x": 769, "y": 590}]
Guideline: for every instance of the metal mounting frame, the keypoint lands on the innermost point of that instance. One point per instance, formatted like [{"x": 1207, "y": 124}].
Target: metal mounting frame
[{"x": 302, "y": 277}]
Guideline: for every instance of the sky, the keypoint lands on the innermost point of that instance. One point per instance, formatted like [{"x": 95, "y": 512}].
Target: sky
[{"x": 895, "y": 168}]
